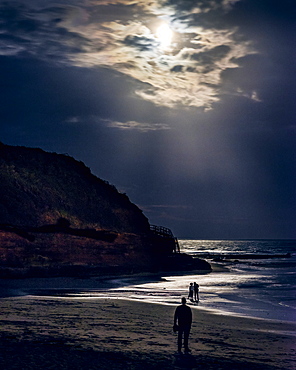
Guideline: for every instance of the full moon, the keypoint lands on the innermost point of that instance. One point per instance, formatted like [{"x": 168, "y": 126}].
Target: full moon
[{"x": 164, "y": 34}]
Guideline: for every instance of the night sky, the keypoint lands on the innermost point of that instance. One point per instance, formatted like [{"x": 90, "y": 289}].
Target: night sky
[{"x": 187, "y": 106}]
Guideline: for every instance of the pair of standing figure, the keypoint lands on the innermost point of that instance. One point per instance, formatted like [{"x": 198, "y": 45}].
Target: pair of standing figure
[{"x": 193, "y": 294}]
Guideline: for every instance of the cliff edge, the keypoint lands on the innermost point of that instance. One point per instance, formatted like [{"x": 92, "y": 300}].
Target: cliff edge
[{"x": 57, "y": 218}]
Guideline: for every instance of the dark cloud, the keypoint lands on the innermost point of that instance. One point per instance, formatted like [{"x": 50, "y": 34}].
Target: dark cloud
[
  {"x": 44, "y": 38},
  {"x": 201, "y": 5},
  {"x": 207, "y": 59},
  {"x": 140, "y": 42},
  {"x": 177, "y": 69}
]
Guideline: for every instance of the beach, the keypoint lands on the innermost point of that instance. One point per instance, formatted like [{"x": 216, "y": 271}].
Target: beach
[{"x": 63, "y": 333}]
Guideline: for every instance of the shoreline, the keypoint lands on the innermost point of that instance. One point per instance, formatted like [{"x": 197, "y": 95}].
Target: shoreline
[
  {"x": 138, "y": 333},
  {"x": 137, "y": 287}
]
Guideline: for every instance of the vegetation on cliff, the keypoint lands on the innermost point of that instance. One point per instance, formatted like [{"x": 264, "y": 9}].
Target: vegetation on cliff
[{"x": 38, "y": 188}]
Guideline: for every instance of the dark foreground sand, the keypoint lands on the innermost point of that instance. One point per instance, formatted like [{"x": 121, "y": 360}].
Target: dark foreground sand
[{"x": 53, "y": 333}]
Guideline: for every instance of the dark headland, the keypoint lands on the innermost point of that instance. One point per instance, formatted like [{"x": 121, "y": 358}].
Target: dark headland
[{"x": 57, "y": 218}]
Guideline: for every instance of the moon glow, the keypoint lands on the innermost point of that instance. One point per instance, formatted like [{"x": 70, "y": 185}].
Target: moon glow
[{"x": 164, "y": 35}]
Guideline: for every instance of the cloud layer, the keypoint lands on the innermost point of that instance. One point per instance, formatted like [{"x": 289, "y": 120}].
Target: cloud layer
[{"x": 122, "y": 35}]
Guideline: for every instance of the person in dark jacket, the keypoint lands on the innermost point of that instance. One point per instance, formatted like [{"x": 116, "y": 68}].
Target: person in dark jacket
[
  {"x": 191, "y": 291},
  {"x": 182, "y": 323},
  {"x": 196, "y": 292}
]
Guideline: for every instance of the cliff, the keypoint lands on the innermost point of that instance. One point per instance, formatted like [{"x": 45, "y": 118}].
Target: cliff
[
  {"x": 57, "y": 218},
  {"x": 38, "y": 188}
]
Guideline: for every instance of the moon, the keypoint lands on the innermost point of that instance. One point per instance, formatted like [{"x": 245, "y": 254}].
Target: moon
[{"x": 164, "y": 35}]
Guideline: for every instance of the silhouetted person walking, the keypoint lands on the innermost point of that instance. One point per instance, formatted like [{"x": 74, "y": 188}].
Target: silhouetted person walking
[
  {"x": 183, "y": 319},
  {"x": 196, "y": 292},
  {"x": 190, "y": 292}
]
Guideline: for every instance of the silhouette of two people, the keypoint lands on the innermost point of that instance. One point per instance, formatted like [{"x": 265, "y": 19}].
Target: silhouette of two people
[
  {"x": 182, "y": 324},
  {"x": 193, "y": 294}
]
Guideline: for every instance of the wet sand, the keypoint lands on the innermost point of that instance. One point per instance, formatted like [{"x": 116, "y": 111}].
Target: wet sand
[{"x": 58, "y": 333}]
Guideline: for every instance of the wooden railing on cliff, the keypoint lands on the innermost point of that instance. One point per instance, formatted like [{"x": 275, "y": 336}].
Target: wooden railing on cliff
[{"x": 165, "y": 232}]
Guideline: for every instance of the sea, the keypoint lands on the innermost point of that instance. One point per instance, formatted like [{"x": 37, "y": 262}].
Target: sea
[{"x": 263, "y": 288}]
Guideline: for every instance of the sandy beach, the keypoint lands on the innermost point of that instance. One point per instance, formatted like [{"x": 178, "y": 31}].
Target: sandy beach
[{"x": 57, "y": 333}]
